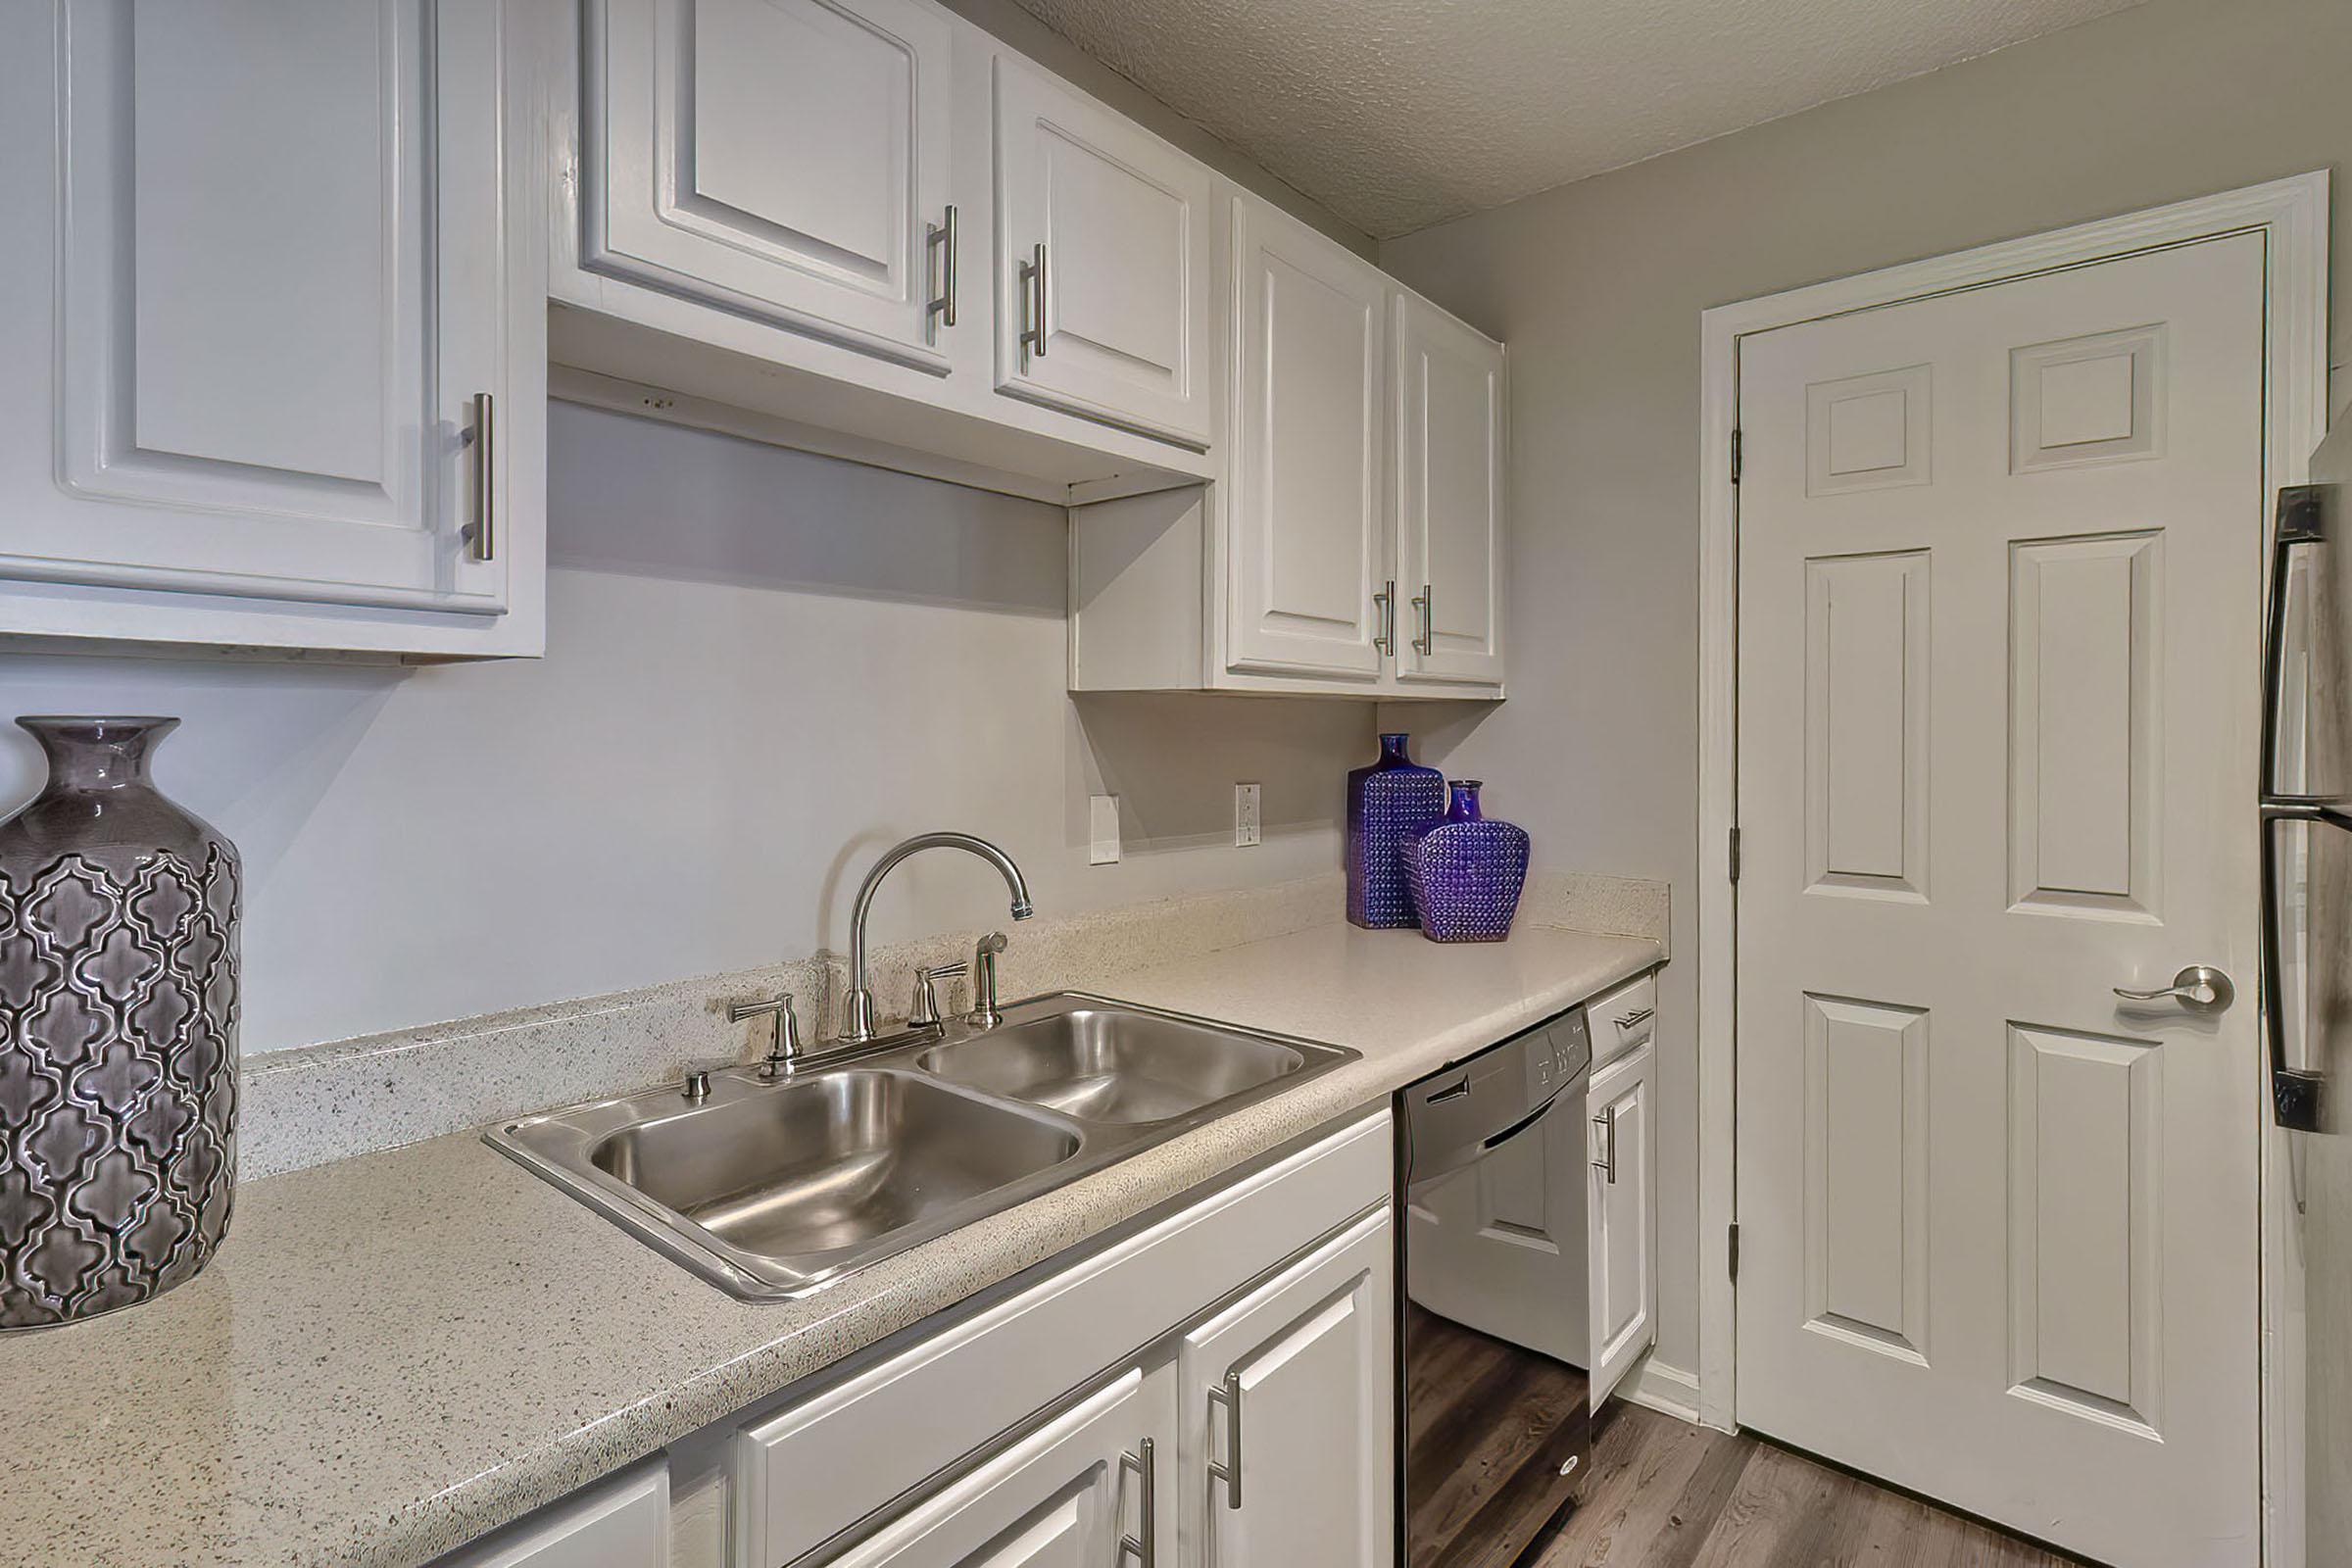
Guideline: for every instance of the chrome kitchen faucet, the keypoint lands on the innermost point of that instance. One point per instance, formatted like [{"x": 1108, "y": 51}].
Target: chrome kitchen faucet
[{"x": 857, "y": 1016}]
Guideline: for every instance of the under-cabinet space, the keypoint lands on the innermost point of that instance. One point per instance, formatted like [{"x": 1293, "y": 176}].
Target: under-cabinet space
[{"x": 310, "y": 419}]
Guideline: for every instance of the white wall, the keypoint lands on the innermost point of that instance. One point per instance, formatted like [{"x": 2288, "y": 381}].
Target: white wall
[
  {"x": 762, "y": 668},
  {"x": 1597, "y": 288}
]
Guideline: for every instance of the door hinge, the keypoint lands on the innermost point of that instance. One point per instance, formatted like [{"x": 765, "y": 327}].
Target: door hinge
[
  {"x": 1734, "y": 1244},
  {"x": 1734, "y": 853},
  {"x": 1735, "y": 457}
]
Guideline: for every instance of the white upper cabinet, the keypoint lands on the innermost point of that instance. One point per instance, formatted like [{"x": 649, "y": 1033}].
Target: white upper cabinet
[
  {"x": 1354, "y": 545},
  {"x": 257, "y": 379},
  {"x": 784, "y": 158},
  {"x": 1449, "y": 497},
  {"x": 1102, "y": 262},
  {"x": 1307, "y": 510}
]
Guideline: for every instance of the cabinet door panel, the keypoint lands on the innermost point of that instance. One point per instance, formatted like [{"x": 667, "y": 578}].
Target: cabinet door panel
[
  {"x": 781, "y": 159},
  {"x": 271, "y": 394},
  {"x": 1310, "y": 517},
  {"x": 1449, "y": 497},
  {"x": 1124, "y": 219},
  {"x": 1312, "y": 1357},
  {"x": 1624, "y": 1280},
  {"x": 622, "y": 1522},
  {"x": 1061, "y": 1498}
]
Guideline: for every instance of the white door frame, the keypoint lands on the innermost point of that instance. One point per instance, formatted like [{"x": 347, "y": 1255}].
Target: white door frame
[{"x": 2292, "y": 215}]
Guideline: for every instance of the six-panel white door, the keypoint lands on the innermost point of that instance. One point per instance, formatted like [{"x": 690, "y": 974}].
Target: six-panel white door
[
  {"x": 278, "y": 266},
  {"x": 1999, "y": 603},
  {"x": 1309, "y": 529},
  {"x": 1619, "y": 1176},
  {"x": 783, "y": 160},
  {"x": 1449, "y": 497},
  {"x": 1102, "y": 263},
  {"x": 1289, "y": 1394}
]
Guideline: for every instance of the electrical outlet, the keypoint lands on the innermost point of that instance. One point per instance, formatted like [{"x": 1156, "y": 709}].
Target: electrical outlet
[
  {"x": 1103, "y": 830},
  {"x": 1245, "y": 817}
]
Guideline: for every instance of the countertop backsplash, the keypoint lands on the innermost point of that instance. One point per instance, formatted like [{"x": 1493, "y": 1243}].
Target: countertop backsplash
[{"x": 315, "y": 1103}]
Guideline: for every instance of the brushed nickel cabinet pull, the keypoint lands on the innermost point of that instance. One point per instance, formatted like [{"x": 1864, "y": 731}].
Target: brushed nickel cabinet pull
[
  {"x": 939, "y": 240},
  {"x": 1229, "y": 1394},
  {"x": 1427, "y": 640},
  {"x": 1606, "y": 1121},
  {"x": 1033, "y": 302},
  {"x": 1384, "y": 619},
  {"x": 482, "y": 534},
  {"x": 1145, "y": 1543}
]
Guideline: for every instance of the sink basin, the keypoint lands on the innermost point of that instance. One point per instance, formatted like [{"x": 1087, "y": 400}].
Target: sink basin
[
  {"x": 1113, "y": 1065},
  {"x": 829, "y": 1163},
  {"x": 771, "y": 1189}
]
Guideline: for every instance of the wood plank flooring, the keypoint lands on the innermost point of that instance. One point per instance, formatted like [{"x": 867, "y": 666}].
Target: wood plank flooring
[
  {"x": 1658, "y": 1493},
  {"x": 1667, "y": 1494}
]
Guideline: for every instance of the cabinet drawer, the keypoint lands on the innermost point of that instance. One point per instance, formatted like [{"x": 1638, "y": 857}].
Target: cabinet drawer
[
  {"x": 811, "y": 1472},
  {"x": 1624, "y": 1018}
]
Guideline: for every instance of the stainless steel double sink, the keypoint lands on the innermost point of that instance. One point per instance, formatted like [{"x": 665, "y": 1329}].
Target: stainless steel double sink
[{"x": 772, "y": 1187}]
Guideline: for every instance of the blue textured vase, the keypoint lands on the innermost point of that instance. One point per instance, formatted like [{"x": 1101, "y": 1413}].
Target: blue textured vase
[
  {"x": 1388, "y": 803},
  {"x": 1467, "y": 872}
]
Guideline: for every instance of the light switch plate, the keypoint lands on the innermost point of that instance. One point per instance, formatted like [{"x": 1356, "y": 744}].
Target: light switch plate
[
  {"x": 1103, "y": 829},
  {"x": 1246, "y": 822}
]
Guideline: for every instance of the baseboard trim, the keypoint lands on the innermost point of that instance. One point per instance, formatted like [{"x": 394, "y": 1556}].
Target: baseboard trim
[{"x": 1668, "y": 1390}]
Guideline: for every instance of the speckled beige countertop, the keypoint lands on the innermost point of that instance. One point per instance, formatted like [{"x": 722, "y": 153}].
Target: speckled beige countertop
[{"x": 396, "y": 1352}]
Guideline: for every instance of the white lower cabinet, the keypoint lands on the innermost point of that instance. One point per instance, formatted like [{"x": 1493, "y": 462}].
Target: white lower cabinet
[
  {"x": 1622, "y": 1173},
  {"x": 1087, "y": 1488},
  {"x": 1055, "y": 1423},
  {"x": 1289, "y": 1414},
  {"x": 621, "y": 1522}
]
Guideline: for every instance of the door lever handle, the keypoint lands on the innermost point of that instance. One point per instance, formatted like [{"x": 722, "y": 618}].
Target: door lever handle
[{"x": 2200, "y": 987}]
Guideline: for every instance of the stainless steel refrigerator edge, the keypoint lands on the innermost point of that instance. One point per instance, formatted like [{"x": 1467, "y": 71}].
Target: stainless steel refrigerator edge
[{"x": 2306, "y": 952}]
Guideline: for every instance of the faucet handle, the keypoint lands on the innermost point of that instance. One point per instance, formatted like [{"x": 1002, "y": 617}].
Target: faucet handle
[
  {"x": 786, "y": 1051},
  {"x": 924, "y": 1011}
]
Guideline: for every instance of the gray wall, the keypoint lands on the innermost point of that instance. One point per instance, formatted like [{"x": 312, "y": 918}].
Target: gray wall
[
  {"x": 762, "y": 668},
  {"x": 1597, "y": 288}
]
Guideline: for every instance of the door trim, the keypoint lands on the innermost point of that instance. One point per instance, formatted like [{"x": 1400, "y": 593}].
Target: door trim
[{"x": 2292, "y": 215}]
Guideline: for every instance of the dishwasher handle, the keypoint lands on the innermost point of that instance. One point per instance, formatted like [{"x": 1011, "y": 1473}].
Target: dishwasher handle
[{"x": 1521, "y": 1125}]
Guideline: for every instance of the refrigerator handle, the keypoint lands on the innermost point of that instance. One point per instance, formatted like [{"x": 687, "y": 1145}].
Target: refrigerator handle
[
  {"x": 2295, "y": 1091},
  {"x": 2301, "y": 520}
]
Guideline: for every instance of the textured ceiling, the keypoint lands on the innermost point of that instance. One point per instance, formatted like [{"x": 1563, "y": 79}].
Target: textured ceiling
[{"x": 1399, "y": 114}]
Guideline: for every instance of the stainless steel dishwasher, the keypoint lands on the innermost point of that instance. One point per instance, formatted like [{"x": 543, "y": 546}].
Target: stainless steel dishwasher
[{"x": 1495, "y": 1419}]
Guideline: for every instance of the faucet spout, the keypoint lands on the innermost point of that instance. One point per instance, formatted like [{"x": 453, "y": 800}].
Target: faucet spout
[{"x": 857, "y": 1022}]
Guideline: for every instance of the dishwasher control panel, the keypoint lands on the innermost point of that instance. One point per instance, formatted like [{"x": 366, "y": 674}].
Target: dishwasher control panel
[{"x": 1556, "y": 1053}]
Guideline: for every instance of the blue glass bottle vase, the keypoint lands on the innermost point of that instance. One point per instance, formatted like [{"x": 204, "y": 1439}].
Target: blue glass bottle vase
[
  {"x": 1467, "y": 872},
  {"x": 1388, "y": 803}
]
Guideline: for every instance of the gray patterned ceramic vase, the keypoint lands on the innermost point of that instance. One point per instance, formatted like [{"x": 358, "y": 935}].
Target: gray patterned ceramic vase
[{"x": 119, "y": 1007}]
